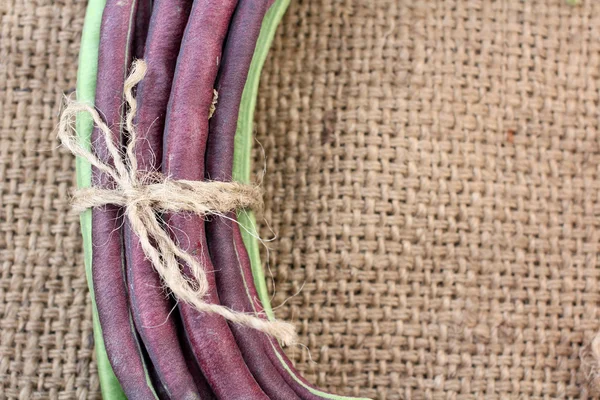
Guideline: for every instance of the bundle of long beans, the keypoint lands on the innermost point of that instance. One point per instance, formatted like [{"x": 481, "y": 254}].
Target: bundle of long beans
[{"x": 149, "y": 344}]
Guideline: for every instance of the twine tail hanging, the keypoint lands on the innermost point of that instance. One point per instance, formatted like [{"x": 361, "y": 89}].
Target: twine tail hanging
[{"x": 142, "y": 201}]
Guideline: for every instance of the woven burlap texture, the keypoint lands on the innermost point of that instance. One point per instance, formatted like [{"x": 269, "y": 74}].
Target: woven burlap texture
[{"x": 431, "y": 178}]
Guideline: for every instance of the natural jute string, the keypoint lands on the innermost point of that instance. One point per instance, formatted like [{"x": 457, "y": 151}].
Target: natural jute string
[
  {"x": 144, "y": 196},
  {"x": 590, "y": 362}
]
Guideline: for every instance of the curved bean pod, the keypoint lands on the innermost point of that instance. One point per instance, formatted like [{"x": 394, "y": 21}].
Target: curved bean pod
[
  {"x": 151, "y": 306},
  {"x": 237, "y": 56},
  {"x": 186, "y": 130},
  {"x": 120, "y": 338}
]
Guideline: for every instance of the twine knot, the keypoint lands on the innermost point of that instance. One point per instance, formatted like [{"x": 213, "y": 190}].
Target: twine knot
[{"x": 143, "y": 195}]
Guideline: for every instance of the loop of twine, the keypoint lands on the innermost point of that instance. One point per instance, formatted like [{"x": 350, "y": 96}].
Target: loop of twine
[{"x": 143, "y": 196}]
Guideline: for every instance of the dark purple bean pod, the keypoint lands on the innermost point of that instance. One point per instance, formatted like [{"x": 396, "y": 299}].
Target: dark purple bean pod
[
  {"x": 151, "y": 306},
  {"x": 204, "y": 389},
  {"x": 122, "y": 346},
  {"x": 159, "y": 388},
  {"x": 142, "y": 25},
  {"x": 232, "y": 265},
  {"x": 237, "y": 56},
  {"x": 272, "y": 347},
  {"x": 186, "y": 130},
  {"x": 237, "y": 290},
  {"x": 252, "y": 343}
]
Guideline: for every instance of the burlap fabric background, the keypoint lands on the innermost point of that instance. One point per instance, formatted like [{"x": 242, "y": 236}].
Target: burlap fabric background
[{"x": 432, "y": 178}]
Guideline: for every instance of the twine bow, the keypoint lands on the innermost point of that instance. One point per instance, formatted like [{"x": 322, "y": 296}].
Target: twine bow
[{"x": 144, "y": 195}]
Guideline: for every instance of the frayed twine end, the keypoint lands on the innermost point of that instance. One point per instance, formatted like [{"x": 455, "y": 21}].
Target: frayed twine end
[{"x": 590, "y": 364}]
